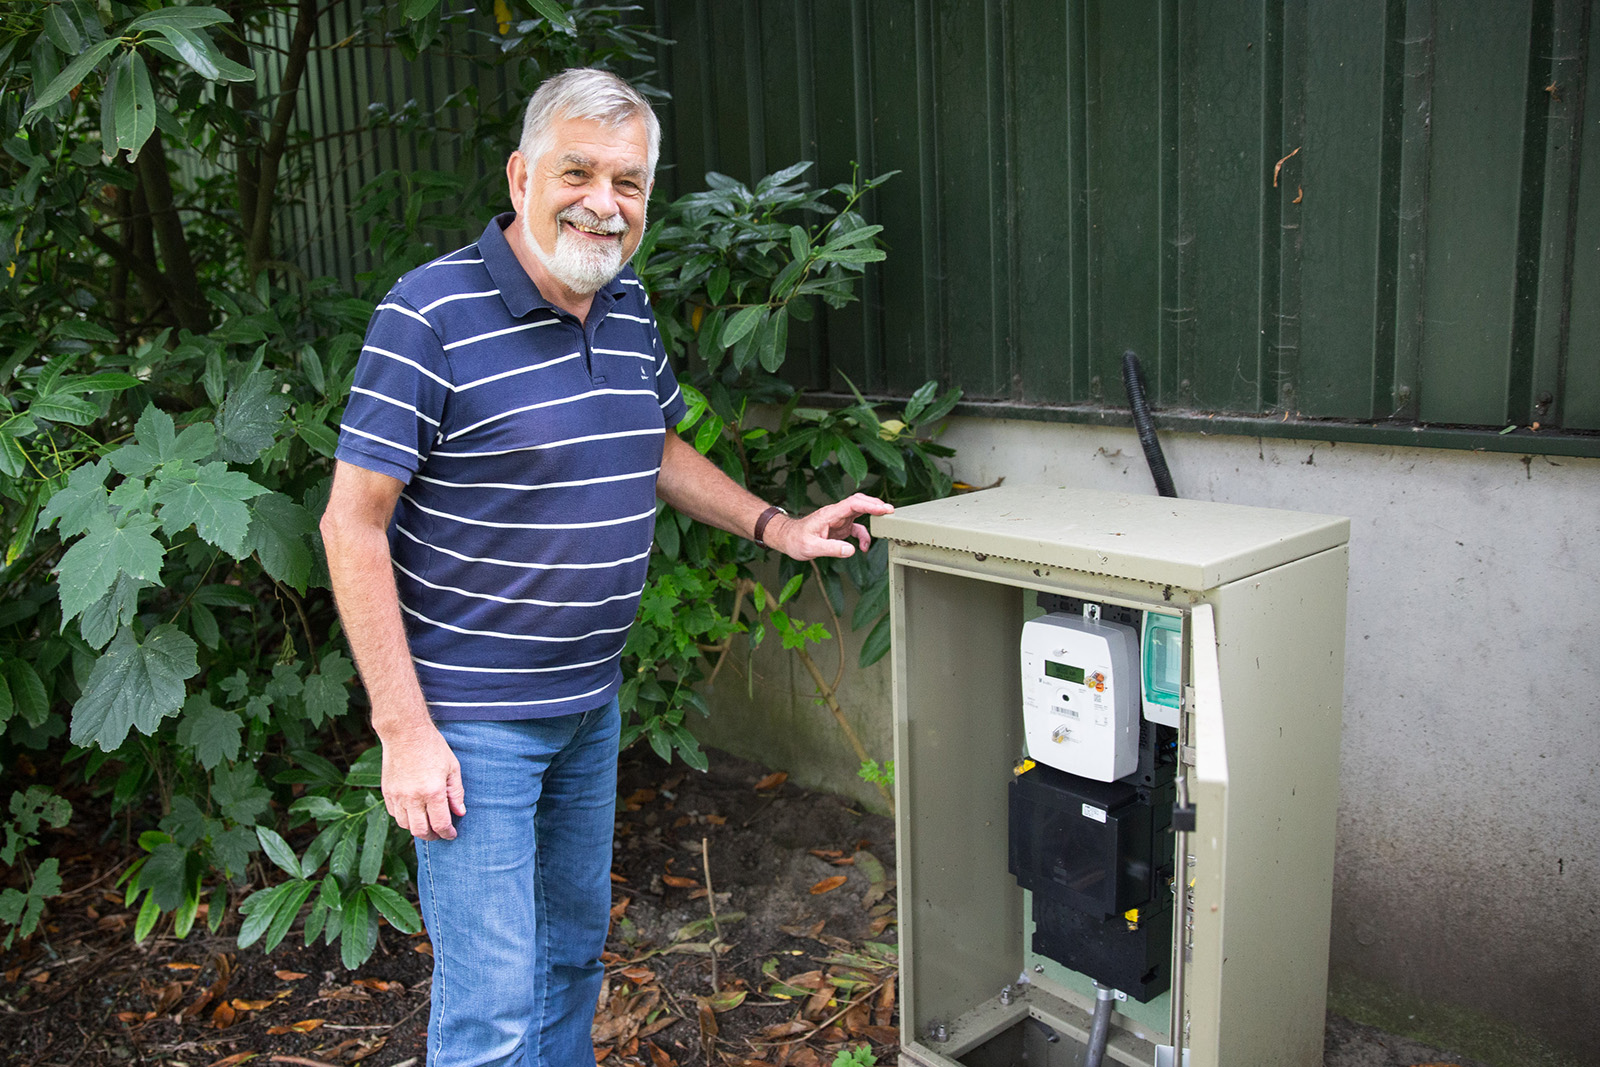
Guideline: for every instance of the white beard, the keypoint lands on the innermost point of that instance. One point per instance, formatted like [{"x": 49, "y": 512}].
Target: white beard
[{"x": 581, "y": 265}]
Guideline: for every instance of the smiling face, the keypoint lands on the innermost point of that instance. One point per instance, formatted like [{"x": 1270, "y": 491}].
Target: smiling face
[{"x": 580, "y": 207}]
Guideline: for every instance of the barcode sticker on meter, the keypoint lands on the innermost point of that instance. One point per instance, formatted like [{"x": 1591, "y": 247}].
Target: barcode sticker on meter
[{"x": 1092, "y": 812}]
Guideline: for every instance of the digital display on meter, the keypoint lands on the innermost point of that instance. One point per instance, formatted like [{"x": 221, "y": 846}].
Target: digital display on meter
[{"x": 1064, "y": 672}]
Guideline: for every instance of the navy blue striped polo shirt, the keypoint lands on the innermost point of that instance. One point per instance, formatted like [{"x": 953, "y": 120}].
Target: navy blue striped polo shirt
[{"x": 529, "y": 445}]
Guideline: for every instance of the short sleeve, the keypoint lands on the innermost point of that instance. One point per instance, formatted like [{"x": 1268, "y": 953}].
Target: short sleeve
[
  {"x": 668, "y": 392},
  {"x": 397, "y": 402}
]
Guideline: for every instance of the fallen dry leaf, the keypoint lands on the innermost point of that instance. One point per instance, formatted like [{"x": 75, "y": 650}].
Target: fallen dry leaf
[
  {"x": 620, "y": 907},
  {"x": 164, "y": 998},
  {"x": 617, "y": 878},
  {"x": 424, "y": 947},
  {"x": 131, "y": 1017},
  {"x": 825, "y": 853},
  {"x": 679, "y": 881},
  {"x": 251, "y": 1005},
  {"x": 40, "y": 978},
  {"x": 234, "y": 1060},
  {"x": 828, "y": 885},
  {"x": 290, "y": 976},
  {"x": 305, "y": 1026},
  {"x": 380, "y": 985},
  {"x": 725, "y": 1000},
  {"x": 772, "y": 781},
  {"x": 717, "y": 820},
  {"x": 638, "y": 975},
  {"x": 659, "y": 1056},
  {"x": 178, "y": 966},
  {"x": 224, "y": 1016}
]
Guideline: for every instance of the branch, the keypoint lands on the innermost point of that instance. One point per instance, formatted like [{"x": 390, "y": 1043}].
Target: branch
[
  {"x": 828, "y": 696},
  {"x": 272, "y": 152}
]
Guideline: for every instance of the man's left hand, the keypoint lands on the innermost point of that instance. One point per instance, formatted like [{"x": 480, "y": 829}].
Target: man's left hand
[{"x": 828, "y": 531}]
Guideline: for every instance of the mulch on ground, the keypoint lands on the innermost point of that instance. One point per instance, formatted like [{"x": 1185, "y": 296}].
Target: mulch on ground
[{"x": 753, "y": 923}]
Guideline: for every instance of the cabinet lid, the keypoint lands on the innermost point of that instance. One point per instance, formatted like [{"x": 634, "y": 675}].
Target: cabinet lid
[{"x": 1191, "y": 544}]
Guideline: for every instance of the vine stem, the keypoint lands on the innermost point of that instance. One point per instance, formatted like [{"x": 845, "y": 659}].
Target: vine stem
[{"x": 830, "y": 698}]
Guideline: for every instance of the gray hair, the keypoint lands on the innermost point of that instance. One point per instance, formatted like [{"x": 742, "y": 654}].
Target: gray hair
[{"x": 586, "y": 93}]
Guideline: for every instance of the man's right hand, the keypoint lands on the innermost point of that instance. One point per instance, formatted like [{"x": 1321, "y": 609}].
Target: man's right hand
[{"x": 422, "y": 783}]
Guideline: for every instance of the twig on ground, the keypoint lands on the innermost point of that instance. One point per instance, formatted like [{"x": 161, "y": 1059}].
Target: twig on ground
[{"x": 711, "y": 902}]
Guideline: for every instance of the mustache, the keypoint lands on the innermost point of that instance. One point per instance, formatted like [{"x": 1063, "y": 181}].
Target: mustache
[{"x": 582, "y": 216}]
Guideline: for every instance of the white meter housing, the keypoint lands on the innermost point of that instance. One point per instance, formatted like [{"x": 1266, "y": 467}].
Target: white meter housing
[{"x": 1080, "y": 695}]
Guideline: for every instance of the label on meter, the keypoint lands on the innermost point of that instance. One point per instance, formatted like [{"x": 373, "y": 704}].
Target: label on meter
[{"x": 1080, "y": 695}]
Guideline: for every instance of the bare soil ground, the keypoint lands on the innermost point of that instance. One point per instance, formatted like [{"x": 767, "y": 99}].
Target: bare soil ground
[{"x": 797, "y": 964}]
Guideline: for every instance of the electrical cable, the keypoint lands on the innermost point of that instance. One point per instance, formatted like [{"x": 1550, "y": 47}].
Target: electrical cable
[{"x": 1133, "y": 381}]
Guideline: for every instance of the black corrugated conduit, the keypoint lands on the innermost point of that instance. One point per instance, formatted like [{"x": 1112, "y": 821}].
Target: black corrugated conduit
[{"x": 1133, "y": 381}]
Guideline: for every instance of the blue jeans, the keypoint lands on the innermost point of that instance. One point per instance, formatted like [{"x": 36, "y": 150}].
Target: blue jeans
[{"x": 518, "y": 904}]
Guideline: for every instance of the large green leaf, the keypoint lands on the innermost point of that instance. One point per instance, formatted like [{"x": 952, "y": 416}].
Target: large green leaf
[
  {"x": 29, "y": 700},
  {"x": 327, "y": 693},
  {"x": 194, "y": 49},
  {"x": 102, "y": 619},
  {"x": 109, "y": 549},
  {"x": 83, "y": 499},
  {"x": 69, "y": 79},
  {"x": 193, "y": 17},
  {"x": 163, "y": 874},
  {"x": 248, "y": 422},
  {"x": 356, "y": 943},
  {"x": 396, "y": 908},
  {"x": 134, "y": 685},
  {"x": 278, "y": 531},
  {"x": 376, "y": 833},
  {"x": 62, "y": 408},
  {"x": 13, "y": 459},
  {"x": 59, "y": 28},
  {"x": 209, "y": 498},
  {"x": 156, "y": 441},
  {"x": 136, "y": 110},
  {"x": 214, "y": 733},
  {"x": 278, "y": 850},
  {"x": 239, "y": 791}
]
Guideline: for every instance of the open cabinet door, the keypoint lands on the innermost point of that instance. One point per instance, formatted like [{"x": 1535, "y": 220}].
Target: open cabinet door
[{"x": 1208, "y": 792}]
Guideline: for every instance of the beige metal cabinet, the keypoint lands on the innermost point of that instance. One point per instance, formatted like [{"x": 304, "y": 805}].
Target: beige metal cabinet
[{"x": 1261, "y": 596}]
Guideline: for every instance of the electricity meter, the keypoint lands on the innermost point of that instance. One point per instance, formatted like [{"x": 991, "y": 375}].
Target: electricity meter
[{"x": 1080, "y": 695}]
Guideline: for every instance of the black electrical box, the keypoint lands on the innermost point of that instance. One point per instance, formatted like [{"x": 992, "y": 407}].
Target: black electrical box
[
  {"x": 1132, "y": 957},
  {"x": 1091, "y": 844},
  {"x": 1097, "y": 857}
]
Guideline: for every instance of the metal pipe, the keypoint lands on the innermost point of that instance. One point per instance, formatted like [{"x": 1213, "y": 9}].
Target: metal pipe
[{"x": 1105, "y": 999}]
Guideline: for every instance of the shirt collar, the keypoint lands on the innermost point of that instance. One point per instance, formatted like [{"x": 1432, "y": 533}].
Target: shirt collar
[{"x": 517, "y": 289}]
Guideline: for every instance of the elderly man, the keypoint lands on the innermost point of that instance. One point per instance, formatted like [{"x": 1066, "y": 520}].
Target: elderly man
[{"x": 488, "y": 537}]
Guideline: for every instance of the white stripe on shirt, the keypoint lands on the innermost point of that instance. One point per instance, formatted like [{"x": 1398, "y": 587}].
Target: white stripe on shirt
[
  {"x": 653, "y": 432},
  {"x": 380, "y": 440},
  {"x": 414, "y": 613},
  {"x": 401, "y": 404},
  {"x": 517, "y": 600},
  {"x": 521, "y": 564},
  {"x": 651, "y": 473},
  {"x": 601, "y": 524},
  {"x": 397, "y": 357},
  {"x": 591, "y": 394},
  {"x": 500, "y": 333},
  {"x": 458, "y": 296}
]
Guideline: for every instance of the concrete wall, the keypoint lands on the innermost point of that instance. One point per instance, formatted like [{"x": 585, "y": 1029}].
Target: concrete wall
[{"x": 1468, "y": 867}]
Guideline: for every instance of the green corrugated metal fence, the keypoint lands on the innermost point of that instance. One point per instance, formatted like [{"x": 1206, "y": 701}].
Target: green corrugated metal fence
[{"x": 1374, "y": 212}]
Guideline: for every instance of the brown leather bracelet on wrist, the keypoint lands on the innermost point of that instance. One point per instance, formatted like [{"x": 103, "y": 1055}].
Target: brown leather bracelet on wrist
[{"x": 761, "y": 523}]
